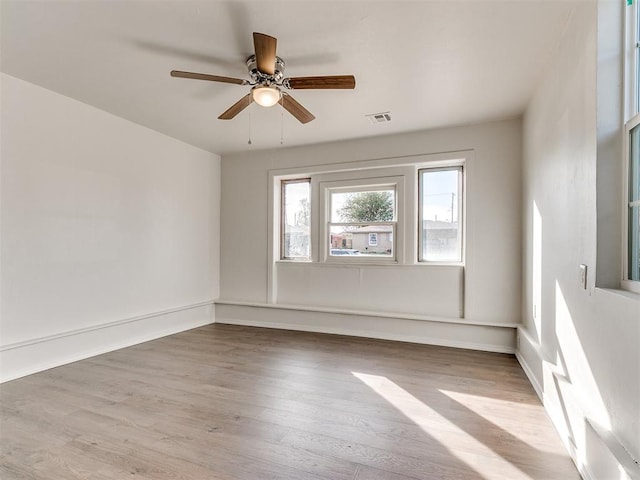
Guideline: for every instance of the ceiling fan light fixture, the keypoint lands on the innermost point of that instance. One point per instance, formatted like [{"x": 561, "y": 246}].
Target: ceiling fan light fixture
[{"x": 266, "y": 96}]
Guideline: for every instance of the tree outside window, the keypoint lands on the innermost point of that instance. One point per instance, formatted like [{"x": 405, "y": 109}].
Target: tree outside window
[{"x": 362, "y": 222}]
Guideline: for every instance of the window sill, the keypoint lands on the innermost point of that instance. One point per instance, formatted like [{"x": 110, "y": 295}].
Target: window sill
[
  {"x": 359, "y": 264},
  {"x": 620, "y": 292},
  {"x": 631, "y": 286}
]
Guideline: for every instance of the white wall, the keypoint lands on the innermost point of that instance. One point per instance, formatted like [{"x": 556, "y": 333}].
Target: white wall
[
  {"x": 580, "y": 347},
  {"x": 492, "y": 274},
  {"x": 104, "y": 224},
  {"x": 436, "y": 291}
]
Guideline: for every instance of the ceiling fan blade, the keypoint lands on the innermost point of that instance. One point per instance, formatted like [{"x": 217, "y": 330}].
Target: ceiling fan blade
[
  {"x": 237, "y": 107},
  {"x": 265, "y": 48},
  {"x": 323, "y": 82},
  {"x": 211, "y": 78},
  {"x": 295, "y": 109}
]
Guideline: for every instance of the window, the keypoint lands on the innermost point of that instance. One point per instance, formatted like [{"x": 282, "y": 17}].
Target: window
[
  {"x": 362, "y": 220},
  {"x": 633, "y": 205},
  {"x": 440, "y": 214},
  {"x": 296, "y": 219},
  {"x": 631, "y": 201},
  {"x": 409, "y": 212}
]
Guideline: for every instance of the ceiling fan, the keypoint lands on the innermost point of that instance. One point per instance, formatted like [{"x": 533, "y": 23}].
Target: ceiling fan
[{"x": 266, "y": 70}]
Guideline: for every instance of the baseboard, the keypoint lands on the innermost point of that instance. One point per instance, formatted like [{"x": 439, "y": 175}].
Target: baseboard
[
  {"x": 598, "y": 455},
  {"x": 491, "y": 338},
  {"x": 525, "y": 340},
  {"x": 369, "y": 313},
  {"x": 38, "y": 354}
]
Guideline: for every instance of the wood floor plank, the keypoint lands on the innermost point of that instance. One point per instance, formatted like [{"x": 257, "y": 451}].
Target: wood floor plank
[
  {"x": 443, "y": 467},
  {"x": 241, "y": 403}
]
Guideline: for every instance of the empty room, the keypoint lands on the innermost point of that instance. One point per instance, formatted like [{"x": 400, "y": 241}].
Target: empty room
[{"x": 306, "y": 239}]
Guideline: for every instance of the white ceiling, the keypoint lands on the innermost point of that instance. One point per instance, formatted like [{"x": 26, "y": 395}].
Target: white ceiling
[{"x": 430, "y": 64}]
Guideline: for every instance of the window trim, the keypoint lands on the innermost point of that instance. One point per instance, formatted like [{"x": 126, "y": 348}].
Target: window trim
[
  {"x": 355, "y": 183},
  {"x": 632, "y": 119},
  {"x": 283, "y": 183},
  {"x": 627, "y": 283},
  {"x": 632, "y": 61},
  {"x": 340, "y": 168},
  {"x": 461, "y": 214}
]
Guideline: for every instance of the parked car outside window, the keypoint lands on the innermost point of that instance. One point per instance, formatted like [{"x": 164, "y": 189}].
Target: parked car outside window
[{"x": 344, "y": 251}]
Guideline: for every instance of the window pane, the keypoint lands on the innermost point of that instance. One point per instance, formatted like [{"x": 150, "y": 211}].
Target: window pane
[
  {"x": 634, "y": 243},
  {"x": 369, "y": 240},
  {"x": 441, "y": 235},
  {"x": 296, "y": 219},
  {"x": 366, "y": 206},
  {"x": 637, "y": 61},
  {"x": 634, "y": 164},
  {"x": 633, "y": 254}
]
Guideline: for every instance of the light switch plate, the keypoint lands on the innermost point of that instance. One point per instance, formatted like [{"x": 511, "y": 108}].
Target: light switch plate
[{"x": 583, "y": 276}]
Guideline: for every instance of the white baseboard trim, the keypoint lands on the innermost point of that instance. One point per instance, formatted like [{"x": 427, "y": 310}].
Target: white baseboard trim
[
  {"x": 528, "y": 371},
  {"x": 605, "y": 455},
  {"x": 37, "y": 354},
  {"x": 369, "y": 313},
  {"x": 458, "y": 334}
]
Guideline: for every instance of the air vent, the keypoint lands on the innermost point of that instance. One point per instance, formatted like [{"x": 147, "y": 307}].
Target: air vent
[{"x": 376, "y": 118}]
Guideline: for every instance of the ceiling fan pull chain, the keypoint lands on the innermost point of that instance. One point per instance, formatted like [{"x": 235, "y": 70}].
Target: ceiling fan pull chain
[
  {"x": 250, "y": 125},
  {"x": 281, "y": 127}
]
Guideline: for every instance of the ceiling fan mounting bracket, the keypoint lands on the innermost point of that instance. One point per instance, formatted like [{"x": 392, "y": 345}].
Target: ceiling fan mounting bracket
[{"x": 261, "y": 78}]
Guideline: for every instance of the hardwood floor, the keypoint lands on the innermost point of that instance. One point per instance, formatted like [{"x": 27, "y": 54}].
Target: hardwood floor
[{"x": 227, "y": 402}]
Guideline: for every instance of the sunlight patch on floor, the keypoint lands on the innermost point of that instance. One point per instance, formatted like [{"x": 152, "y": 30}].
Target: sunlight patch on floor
[
  {"x": 486, "y": 407},
  {"x": 422, "y": 414}
]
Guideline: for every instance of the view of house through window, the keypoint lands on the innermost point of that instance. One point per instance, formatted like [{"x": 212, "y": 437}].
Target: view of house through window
[
  {"x": 362, "y": 221},
  {"x": 440, "y": 209},
  {"x": 296, "y": 219}
]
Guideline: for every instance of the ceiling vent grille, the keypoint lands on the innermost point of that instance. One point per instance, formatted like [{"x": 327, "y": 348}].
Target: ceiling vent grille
[{"x": 377, "y": 118}]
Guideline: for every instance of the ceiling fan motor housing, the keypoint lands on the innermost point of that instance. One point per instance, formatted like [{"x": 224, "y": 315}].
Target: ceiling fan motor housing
[{"x": 263, "y": 78}]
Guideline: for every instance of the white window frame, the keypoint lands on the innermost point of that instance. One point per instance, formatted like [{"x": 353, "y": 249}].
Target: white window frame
[
  {"x": 461, "y": 214},
  {"x": 352, "y": 183},
  {"x": 632, "y": 119},
  {"x": 627, "y": 283},
  {"x": 283, "y": 184}
]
